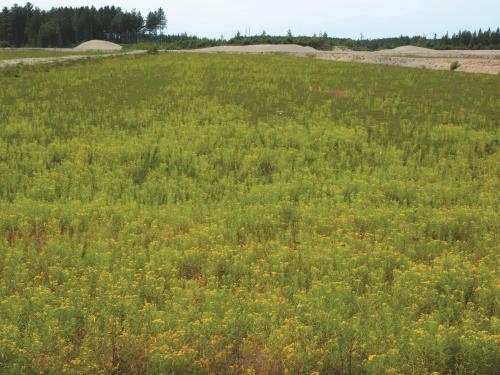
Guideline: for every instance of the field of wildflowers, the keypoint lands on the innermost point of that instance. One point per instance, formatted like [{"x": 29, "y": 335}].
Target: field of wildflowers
[{"x": 224, "y": 214}]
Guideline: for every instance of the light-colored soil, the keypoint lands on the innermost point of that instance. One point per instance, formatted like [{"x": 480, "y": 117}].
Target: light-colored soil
[
  {"x": 98, "y": 45},
  {"x": 484, "y": 61},
  {"x": 419, "y": 51},
  {"x": 55, "y": 59},
  {"x": 261, "y": 48},
  {"x": 487, "y": 62}
]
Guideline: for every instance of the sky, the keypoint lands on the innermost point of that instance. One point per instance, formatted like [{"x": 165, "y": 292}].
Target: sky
[{"x": 339, "y": 18}]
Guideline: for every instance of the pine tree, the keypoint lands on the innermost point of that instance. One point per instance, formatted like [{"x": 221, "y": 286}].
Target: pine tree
[
  {"x": 162, "y": 20},
  {"x": 152, "y": 23}
]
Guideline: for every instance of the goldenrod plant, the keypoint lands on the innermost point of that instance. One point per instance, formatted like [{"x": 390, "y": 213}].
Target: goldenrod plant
[{"x": 227, "y": 214}]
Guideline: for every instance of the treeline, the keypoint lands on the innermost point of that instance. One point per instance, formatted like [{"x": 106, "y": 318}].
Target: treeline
[
  {"x": 65, "y": 26},
  {"x": 488, "y": 39},
  {"x": 462, "y": 40}
]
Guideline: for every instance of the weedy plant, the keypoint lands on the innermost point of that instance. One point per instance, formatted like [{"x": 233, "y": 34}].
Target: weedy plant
[
  {"x": 233, "y": 214},
  {"x": 454, "y": 65}
]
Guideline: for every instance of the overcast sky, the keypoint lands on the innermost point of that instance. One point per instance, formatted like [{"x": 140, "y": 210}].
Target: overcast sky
[{"x": 343, "y": 18}]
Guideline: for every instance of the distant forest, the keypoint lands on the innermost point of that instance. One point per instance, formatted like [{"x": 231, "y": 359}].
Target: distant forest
[
  {"x": 64, "y": 27},
  {"x": 28, "y": 26},
  {"x": 462, "y": 40}
]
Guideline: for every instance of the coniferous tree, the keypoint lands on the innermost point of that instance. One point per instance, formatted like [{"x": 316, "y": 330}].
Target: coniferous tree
[
  {"x": 162, "y": 20},
  {"x": 152, "y": 23}
]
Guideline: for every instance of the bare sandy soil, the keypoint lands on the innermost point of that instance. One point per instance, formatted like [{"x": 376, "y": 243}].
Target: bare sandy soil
[
  {"x": 55, "y": 59},
  {"x": 469, "y": 62},
  {"x": 261, "y": 48},
  {"x": 98, "y": 45},
  {"x": 419, "y": 51},
  {"x": 484, "y": 61}
]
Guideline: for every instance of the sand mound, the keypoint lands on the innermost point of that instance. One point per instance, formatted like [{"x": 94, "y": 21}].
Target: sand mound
[
  {"x": 412, "y": 49},
  {"x": 98, "y": 45},
  {"x": 409, "y": 50},
  {"x": 261, "y": 48}
]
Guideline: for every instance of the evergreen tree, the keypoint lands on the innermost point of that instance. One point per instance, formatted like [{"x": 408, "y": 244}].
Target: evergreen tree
[
  {"x": 162, "y": 20},
  {"x": 152, "y": 23}
]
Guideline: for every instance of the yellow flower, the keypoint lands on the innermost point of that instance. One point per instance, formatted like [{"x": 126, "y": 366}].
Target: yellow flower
[{"x": 76, "y": 361}]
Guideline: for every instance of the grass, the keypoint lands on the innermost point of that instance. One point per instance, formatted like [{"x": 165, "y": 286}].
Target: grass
[{"x": 188, "y": 213}]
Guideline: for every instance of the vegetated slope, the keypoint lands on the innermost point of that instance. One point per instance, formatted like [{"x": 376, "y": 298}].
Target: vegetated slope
[{"x": 192, "y": 213}]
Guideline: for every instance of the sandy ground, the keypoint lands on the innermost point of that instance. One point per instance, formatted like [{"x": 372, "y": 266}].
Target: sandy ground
[
  {"x": 485, "y": 61},
  {"x": 55, "y": 59},
  {"x": 36, "y": 49},
  {"x": 261, "y": 48},
  {"x": 98, "y": 45}
]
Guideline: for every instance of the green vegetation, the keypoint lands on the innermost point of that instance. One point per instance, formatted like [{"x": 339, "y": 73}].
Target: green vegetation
[
  {"x": 454, "y": 65},
  {"x": 463, "y": 40},
  {"x": 66, "y": 26},
  {"x": 187, "y": 213},
  {"x": 152, "y": 50}
]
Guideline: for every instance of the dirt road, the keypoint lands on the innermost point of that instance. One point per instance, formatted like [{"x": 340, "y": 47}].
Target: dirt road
[{"x": 55, "y": 59}]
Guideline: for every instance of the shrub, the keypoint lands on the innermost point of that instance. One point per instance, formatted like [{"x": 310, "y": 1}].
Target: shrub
[
  {"x": 4, "y": 44},
  {"x": 454, "y": 65}
]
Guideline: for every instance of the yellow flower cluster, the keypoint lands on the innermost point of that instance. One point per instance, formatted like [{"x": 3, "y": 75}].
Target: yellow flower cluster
[{"x": 159, "y": 217}]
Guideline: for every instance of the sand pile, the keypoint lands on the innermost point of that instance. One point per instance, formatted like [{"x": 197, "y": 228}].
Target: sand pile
[
  {"x": 412, "y": 49},
  {"x": 98, "y": 45},
  {"x": 408, "y": 50},
  {"x": 262, "y": 48}
]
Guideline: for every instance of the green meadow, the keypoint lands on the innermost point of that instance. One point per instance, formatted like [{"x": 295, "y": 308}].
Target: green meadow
[{"x": 238, "y": 214}]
